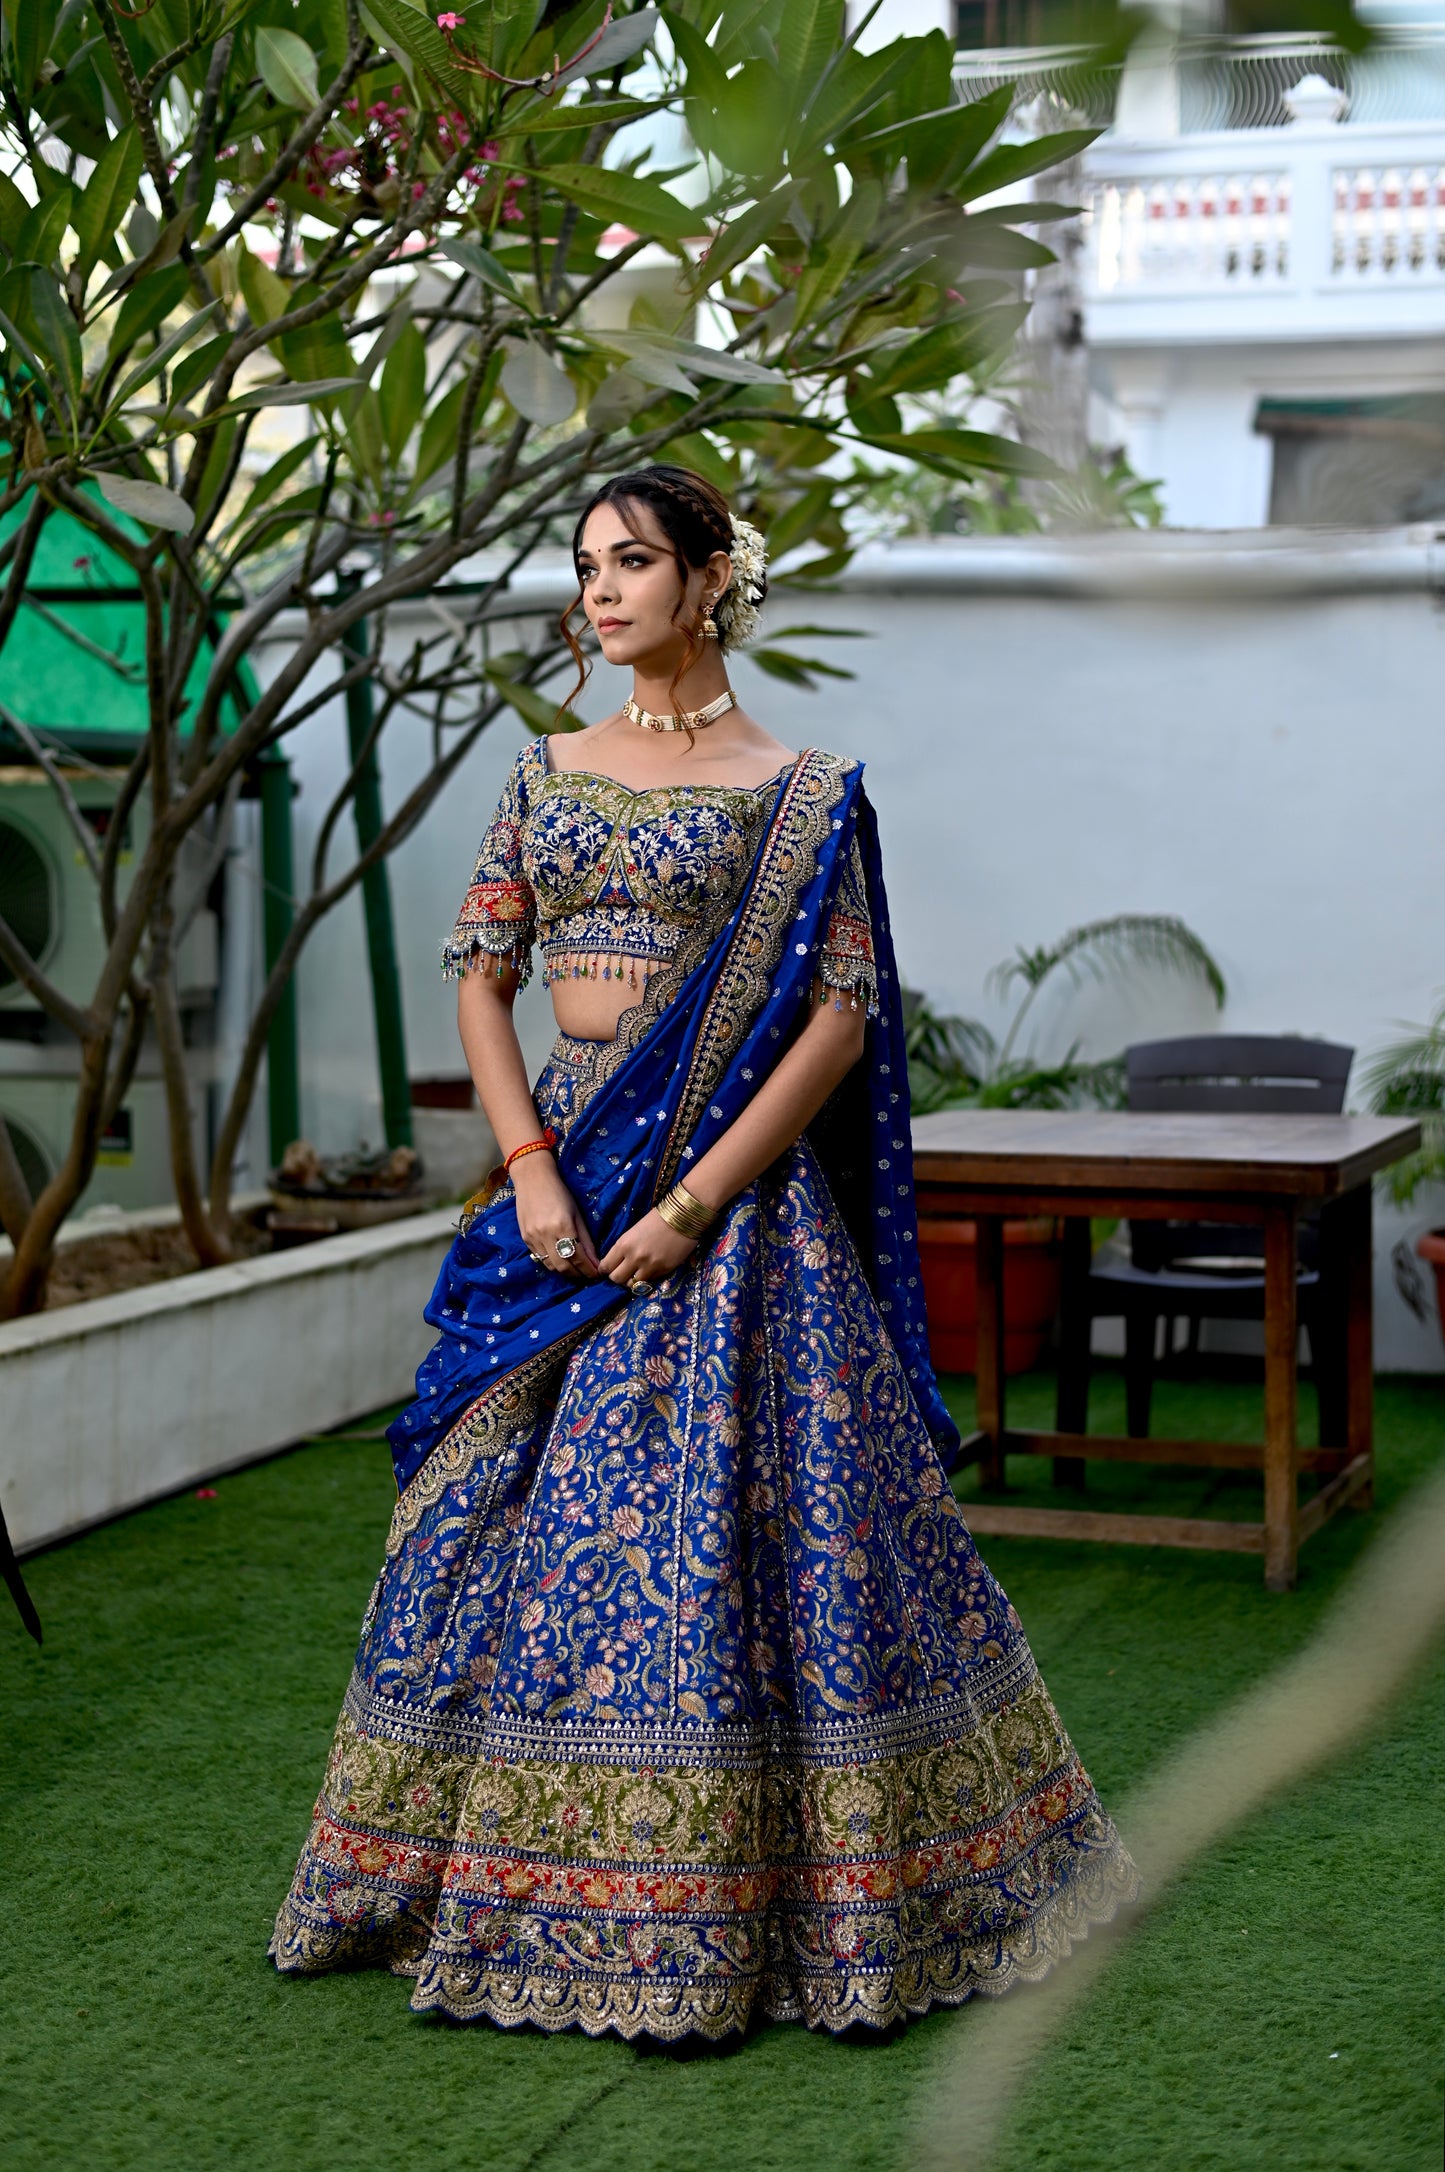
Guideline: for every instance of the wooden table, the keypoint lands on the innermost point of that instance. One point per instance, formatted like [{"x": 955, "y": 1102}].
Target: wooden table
[{"x": 991, "y": 1163}]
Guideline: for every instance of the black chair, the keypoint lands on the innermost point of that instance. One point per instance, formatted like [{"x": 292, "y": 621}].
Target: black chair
[{"x": 1199, "y": 1270}]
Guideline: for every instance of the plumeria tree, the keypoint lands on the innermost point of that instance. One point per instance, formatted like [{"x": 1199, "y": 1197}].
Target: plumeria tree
[{"x": 420, "y": 240}]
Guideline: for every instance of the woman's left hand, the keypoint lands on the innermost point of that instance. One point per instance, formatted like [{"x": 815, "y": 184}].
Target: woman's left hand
[{"x": 648, "y": 1252}]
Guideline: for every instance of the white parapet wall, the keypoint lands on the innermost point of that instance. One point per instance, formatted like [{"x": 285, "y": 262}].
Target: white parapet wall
[{"x": 109, "y": 1404}]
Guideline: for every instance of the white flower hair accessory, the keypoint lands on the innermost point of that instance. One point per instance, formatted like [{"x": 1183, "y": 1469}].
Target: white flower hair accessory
[{"x": 735, "y": 614}]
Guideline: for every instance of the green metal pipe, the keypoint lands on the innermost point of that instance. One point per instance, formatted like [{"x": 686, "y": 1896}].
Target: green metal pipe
[
  {"x": 278, "y": 891},
  {"x": 376, "y": 902}
]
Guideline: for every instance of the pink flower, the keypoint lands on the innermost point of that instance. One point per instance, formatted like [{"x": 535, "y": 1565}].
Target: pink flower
[
  {"x": 206, "y": 1493},
  {"x": 450, "y": 22}
]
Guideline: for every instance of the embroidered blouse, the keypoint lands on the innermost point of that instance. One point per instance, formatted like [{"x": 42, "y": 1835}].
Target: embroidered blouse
[{"x": 607, "y": 880}]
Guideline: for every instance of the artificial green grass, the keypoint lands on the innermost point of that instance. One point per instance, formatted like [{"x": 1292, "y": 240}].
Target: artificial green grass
[{"x": 161, "y": 1754}]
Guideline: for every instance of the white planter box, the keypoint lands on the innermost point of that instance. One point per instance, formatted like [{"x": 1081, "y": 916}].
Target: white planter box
[{"x": 112, "y": 1403}]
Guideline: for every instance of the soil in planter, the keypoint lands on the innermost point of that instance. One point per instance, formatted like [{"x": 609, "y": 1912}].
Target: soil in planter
[{"x": 131, "y": 1259}]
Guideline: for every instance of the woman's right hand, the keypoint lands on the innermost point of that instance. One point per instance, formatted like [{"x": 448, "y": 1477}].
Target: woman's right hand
[{"x": 546, "y": 1211}]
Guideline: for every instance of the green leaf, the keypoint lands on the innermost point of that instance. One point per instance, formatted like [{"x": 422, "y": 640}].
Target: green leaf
[
  {"x": 470, "y": 256},
  {"x": 147, "y": 502},
  {"x": 796, "y": 522},
  {"x": 943, "y": 145},
  {"x": 550, "y": 116},
  {"x": 841, "y": 246},
  {"x": 16, "y": 337},
  {"x": 963, "y": 452},
  {"x": 366, "y": 438},
  {"x": 621, "y": 41},
  {"x": 850, "y": 94},
  {"x": 148, "y": 304},
  {"x": 264, "y": 292},
  {"x": 661, "y": 348},
  {"x": 30, "y": 23},
  {"x": 41, "y": 231},
  {"x": 14, "y": 211},
  {"x": 198, "y": 368},
  {"x": 279, "y": 472},
  {"x": 288, "y": 68},
  {"x": 619, "y": 397},
  {"x": 874, "y": 418},
  {"x": 626, "y": 199},
  {"x": 1000, "y": 248},
  {"x": 1010, "y": 162},
  {"x": 438, "y": 440},
  {"x": 162, "y": 249},
  {"x": 537, "y": 386},
  {"x": 59, "y": 331},
  {"x": 795, "y": 670},
  {"x": 402, "y": 391},
  {"x": 809, "y": 34},
  {"x": 152, "y": 364},
  {"x": 537, "y": 713},
  {"x": 646, "y": 365},
  {"x": 314, "y": 389},
  {"x": 108, "y": 197},
  {"x": 744, "y": 235},
  {"x": 948, "y": 350},
  {"x": 411, "y": 33}
]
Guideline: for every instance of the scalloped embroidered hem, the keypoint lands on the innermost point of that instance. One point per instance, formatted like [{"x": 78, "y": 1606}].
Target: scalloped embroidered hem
[{"x": 470, "y": 1991}]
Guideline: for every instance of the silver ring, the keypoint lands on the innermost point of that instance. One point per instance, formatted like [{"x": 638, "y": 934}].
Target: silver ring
[{"x": 566, "y": 1248}]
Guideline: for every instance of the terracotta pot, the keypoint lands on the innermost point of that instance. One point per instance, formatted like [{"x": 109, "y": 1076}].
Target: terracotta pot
[
  {"x": 1432, "y": 1247},
  {"x": 1031, "y": 1274}
]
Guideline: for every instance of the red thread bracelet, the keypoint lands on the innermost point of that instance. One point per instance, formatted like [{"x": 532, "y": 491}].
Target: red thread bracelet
[{"x": 544, "y": 1145}]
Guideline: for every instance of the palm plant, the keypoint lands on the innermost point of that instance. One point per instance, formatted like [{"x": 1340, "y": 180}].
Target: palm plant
[
  {"x": 1408, "y": 1079},
  {"x": 958, "y": 1062}
]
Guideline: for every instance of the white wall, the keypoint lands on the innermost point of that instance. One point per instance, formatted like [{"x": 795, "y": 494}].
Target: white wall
[
  {"x": 1186, "y": 414},
  {"x": 1049, "y": 742}
]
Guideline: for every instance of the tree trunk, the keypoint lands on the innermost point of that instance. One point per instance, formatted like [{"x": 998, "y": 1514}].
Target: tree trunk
[{"x": 1053, "y": 414}]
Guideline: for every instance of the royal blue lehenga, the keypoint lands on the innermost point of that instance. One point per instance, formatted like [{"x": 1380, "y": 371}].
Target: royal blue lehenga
[{"x": 683, "y": 1695}]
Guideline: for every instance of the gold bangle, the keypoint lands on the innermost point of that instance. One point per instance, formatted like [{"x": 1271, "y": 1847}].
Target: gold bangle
[{"x": 687, "y": 1215}]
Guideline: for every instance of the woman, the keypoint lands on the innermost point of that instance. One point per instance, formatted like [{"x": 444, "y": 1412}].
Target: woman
[{"x": 683, "y": 1695}]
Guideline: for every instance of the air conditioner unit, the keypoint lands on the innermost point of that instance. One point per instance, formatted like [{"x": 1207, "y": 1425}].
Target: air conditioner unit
[
  {"x": 50, "y": 898},
  {"x": 133, "y": 1168}
]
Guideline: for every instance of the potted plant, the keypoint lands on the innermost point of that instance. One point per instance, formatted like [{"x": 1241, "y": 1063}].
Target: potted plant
[
  {"x": 312, "y": 1196},
  {"x": 1408, "y": 1079},
  {"x": 957, "y": 1063}
]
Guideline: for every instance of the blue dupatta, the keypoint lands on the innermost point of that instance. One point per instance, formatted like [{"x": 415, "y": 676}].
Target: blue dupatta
[{"x": 685, "y": 1063}]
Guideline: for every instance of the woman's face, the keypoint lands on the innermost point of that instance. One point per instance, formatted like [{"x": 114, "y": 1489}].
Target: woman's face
[{"x": 632, "y": 592}]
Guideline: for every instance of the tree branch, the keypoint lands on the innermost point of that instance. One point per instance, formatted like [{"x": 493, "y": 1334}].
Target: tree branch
[
  {"x": 300, "y": 140},
  {"x": 24, "y": 543},
  {"x": 80, "y": 829},
  {"x": 16, "y": 1205},
  {"x": 14, "y": 954},
  {"x": 140, "y": 107}
]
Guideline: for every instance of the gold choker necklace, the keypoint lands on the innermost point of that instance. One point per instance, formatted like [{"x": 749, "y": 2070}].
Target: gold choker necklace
[{"x": 689, "y": 720}]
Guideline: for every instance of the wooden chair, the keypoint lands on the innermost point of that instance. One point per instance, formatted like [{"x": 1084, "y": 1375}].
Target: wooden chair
[{"x": 1198, "y": 1270}]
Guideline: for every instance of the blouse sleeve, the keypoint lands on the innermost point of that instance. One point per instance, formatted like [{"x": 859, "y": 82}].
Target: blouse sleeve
[
  {"x": 498, "y": 919},
  {"x": 848, "y": 966}
]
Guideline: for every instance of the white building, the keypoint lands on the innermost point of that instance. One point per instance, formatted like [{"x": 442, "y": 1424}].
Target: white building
[{"x": 1265, "y": 258}]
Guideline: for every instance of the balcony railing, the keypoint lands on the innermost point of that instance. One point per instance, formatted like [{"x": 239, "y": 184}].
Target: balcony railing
[
  {"x": 1239, "y": 83},
  {"x": 1315, "y": 231},
  {"x": 1234, "y": 229}
]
